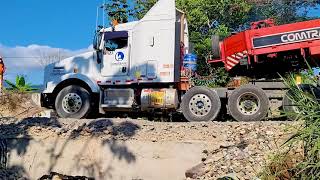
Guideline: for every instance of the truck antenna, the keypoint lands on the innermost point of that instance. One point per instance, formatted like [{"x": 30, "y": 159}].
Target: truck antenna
[
  {"x": 97, "y": 19},
  {"x": 103, "y": 6}
]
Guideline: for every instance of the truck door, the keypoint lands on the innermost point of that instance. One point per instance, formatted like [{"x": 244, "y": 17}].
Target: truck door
[{"x": 116, "y": 54}]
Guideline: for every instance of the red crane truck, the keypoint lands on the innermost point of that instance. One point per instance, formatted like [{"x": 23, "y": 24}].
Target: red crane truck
[{"x": 262, "y": 53}]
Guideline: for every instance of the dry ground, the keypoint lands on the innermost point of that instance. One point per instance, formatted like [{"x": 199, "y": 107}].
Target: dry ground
[
  {"x": 140, "y": 149},
  {"x": 207, "y": 150}
]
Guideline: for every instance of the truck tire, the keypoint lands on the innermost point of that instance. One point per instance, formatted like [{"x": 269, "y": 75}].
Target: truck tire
[
  {"x": 215, "y": 40},
  {"x": 73, "y": 102},
  {"x": 200, "y": 104},
  {"x": 290, "y": 109},
  {"x": 248, "y": 103}
]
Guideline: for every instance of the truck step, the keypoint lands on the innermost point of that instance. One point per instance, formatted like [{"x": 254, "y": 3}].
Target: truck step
[{"x": 115, "y": 106}]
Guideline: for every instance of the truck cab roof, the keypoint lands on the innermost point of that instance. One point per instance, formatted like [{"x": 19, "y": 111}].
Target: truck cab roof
[{"x": 121, "y": 27}]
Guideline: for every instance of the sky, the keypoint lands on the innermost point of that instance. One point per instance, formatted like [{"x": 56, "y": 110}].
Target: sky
[{"x": 33, "y": 28}]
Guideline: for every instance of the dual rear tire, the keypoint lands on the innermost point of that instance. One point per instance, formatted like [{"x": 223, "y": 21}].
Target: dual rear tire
[
  {"x": 248, "y": 103},
  {"x": 200, "y": 104}
]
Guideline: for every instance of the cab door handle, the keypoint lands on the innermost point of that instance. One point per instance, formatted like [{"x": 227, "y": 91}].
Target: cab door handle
[{"x": 124, "y": 69}]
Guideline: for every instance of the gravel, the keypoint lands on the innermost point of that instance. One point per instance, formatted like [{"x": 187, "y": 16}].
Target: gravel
[{"x": 233, "y": 147}]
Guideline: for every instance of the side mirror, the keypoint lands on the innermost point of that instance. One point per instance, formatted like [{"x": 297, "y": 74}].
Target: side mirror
[
  {"x": 95, "y": 41},
  {"x": 98, "y": 43}
]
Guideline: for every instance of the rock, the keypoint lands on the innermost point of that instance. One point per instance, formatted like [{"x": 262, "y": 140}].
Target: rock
[
  {"x": 226, "y": 145},
  {"x": 224, "y": 167},
  {"x": 243, "y": 132},
  {"x": 88, "y": 130},
  {"x": 269, "y": 133},
  {"x": 205, "y": 125},
  {"x": 216, "y": 157},
  {"x": 229, "y": 177},
  {"x": 214, "y": 136},
  {"x": 204, "y": 158},
  {"x": 196, "y": 171},
  {"x": 152, "y": 129}
]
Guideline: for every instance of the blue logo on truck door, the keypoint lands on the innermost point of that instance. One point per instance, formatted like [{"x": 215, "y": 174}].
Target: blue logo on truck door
[{"x": 119, "y": 56}]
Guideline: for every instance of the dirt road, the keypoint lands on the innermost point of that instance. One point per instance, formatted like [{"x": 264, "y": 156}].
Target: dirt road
[{"x": 137, "y": 149}]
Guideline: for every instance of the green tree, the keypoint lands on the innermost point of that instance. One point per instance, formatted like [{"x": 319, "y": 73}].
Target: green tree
[
  {"x": 118, "y": 10},
  {"x": 283, "y": 11},
  {"x": 20, "y": 85},
  {"x": 142, "y": 7}
]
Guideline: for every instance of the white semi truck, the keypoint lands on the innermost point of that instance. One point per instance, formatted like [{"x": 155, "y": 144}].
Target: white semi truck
[
  {"x": 134, "y": 66},
  {"x": 137, "y": 66}
]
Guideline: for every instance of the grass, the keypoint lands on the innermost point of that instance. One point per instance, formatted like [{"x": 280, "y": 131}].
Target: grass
[{"x": 307, "y": 137}]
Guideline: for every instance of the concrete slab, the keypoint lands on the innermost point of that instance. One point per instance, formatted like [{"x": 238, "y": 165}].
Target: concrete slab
[{"x": 105, "y": 158}]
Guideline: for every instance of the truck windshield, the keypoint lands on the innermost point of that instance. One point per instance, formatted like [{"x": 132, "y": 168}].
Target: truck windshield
[{"x": 113, "y": 44}]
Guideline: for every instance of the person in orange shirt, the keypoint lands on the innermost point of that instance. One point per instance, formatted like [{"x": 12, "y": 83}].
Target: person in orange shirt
[{"x": 2, "y": 70}]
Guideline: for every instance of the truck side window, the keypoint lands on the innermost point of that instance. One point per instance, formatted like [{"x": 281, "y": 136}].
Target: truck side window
[{"x": 113, "y": 44}]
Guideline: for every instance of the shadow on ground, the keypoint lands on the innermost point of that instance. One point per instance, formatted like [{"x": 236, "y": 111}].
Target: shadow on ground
[{"x": 15, "y": 136}]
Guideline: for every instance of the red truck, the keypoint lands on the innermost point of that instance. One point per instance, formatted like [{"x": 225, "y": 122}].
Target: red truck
[
  {"x": 262, "y": 53},
  {"x": 267, "y": 43}
]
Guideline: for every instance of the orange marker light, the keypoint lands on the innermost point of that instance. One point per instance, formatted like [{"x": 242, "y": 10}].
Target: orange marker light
[{"x": 115, "y": 23}]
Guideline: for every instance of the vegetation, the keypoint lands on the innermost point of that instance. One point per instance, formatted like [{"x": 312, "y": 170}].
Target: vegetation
[
  {"x": 142, "y": 7},
  {"x": 284, "y": 11},
  {"x": 307, "y": 137},
  {"x": 217, "y": 78},
  {"x": 20, "y": 85},
  {"x": 118, "y": 10}
]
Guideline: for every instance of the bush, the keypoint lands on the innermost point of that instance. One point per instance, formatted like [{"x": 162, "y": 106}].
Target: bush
[
  {"x": 20, "y": 85},
  {"x": 218, "y": 77},
  {"x": 308, "y": 134}
]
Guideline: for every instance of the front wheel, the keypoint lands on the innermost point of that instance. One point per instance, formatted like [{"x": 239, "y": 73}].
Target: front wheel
[
  {"x": 73, "y": 102},
  {"x": 200, "y": 104}
]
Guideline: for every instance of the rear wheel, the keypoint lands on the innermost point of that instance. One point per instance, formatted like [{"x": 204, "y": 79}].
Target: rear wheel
[
  {"x": 73, "y": 102},
  {"x": 248, "y": 103},
  {"x": 201, "y": 104},
  {"x": 290, "y": 108}
]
